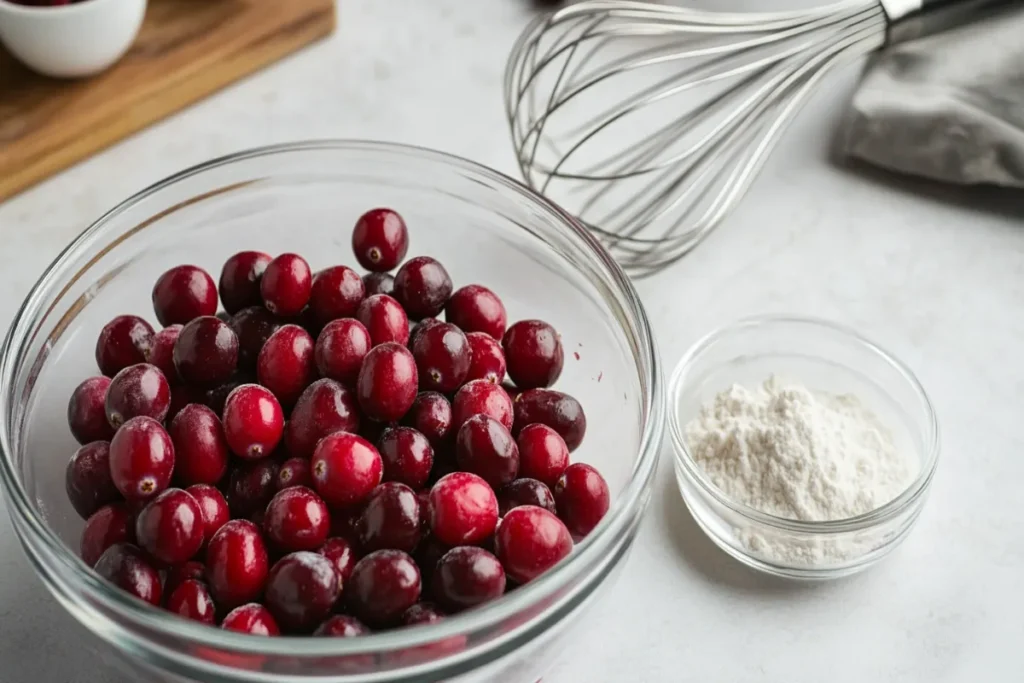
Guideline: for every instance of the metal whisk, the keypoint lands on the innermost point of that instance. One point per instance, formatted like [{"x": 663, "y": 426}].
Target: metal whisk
[{"x": 649, "y": 122}]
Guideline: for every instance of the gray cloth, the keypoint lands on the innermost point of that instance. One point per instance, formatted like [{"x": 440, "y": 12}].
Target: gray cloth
[{"x": 949, "y": 107}]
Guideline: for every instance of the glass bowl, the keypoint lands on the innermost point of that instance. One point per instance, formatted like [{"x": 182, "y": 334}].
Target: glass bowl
[
  {"x": 825, "y": 358},
  {"x": 305, "y": 198}
]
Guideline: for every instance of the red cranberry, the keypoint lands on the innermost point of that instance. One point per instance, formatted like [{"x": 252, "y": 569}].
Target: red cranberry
[
  {"x": 530, "y": 541},
  {"x": 236, "y": 563},
  {"x": 341, "y": 626},
  {"x": 108, "y": 525},
  {"x": 380, "y": 240},
  {"x": 336, "y": 293},
  {"x": 422, "y": 613},
  {"x": 422, "y": 286},
  {"x": 407, "y": 455},
  {"x": 342, "y": 555},
  {"x": 387, "y": 382},
  {"x": 390, "y": 519},
  {"x": 213, "y": 505},
  {"x": 240, "y": 280},
  {"x": 294, "y": 472},
  {"x": 251, "y": 486},
  {"x": 87, "y": 479},
  {"x": 141, "y": 458},
  {"x": 477, "y": 309},
  {"x": 286, "y": 285},
  {"x": 346, "y": 469},
  {"x": 170, "y": 528},
  {"x": 192, "y": 570},
  {"x": 384, "y": 319},
  {"x": 487, "y": 360},
  {"x": 533, "y": 354},
  {"x": 463, "y": 509},
  {"x": 139, "y": 389},
  {"x": 253, "y": 326},
  {"x": 559, "y": 411},
  {"x": 123, "y": 341},
  {"x": 467, "y": 577},
  {"x": 341, "y": 348},
  {"x": 200, "y": 449},
  {"x": 286, "y": 365},
  {"x": 325, "y": 407},
  {"x": 184, "y": 293},
  {"x": 442, "y": 355},
  {"x": 126, "y": 567},
  {"x": 253, "y": 618},
  {"x": 206, "y": 353},
  {"x": 384, "y": 584},
  {"x": 481, "y": 397},
  {"x": 485, "y": 448},
  {"x": 301, "y": 590},
  {"x": 543, "y": 454},
  {"x": 581, "y": 494},
  {"x": 379, "y": 283},
  {"x": 192, "y": 600},
  {"x": 296, "y": 519},
  {"x": 161, "y": 352},
  {"x": 253, "y": 421},
  {"x": 87, "y": 415},
  {"x": 430, "y": 415},
  {"x": 525, "y": 492}
]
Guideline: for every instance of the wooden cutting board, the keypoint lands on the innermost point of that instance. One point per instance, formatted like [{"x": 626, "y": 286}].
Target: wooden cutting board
[{"x": 186, "y": 50}]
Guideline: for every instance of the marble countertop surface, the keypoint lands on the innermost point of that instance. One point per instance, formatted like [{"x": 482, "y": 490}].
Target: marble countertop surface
[{"x": 934, "y": 274}]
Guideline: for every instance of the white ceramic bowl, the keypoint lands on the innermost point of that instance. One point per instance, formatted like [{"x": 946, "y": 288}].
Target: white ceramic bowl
[{"x": 71, "y": 41}]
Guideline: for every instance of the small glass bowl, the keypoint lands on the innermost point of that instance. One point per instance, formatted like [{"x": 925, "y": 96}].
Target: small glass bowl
[{"x": 826, "y": 358}]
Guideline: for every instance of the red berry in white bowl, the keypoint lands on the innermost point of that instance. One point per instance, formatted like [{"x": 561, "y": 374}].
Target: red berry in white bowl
[
  {"x": 346, "y": 468},
  {"x": 253, "y": 421},
  {"x": 253, "y": 326},
  {"x": 380, "y": 240},
  {"x": 533, "y": 354},
  {"x": 430, "y": 415},
  {"x": 391, "y": 518},
  {"x": 253, "y": 618},
  {"x": 240, "y": 280},
  {"x": 543, "y": 454},
  {"x": 325, "y": 407},
  {"x": 139, "y": 389},
  {"x": 141, "y": 458},
  {"x": 206, "y": 352},
  {"x": 183, "y": 293},
  {"x": 530, "y": 541},
  {"x": 341, "y": 348},
  {"x": 87, "y": 415},
  {"x": 561, "y": 412},
  {"x": 191, "y": 600},
  {"x": 294, "y": 472},
  {"x": 388, "y": 382},
  {"x": 466, "y": 577},
  {"x": 214, "y": 508},
  {"x": 525, "y": 491},
  {"x": 250, "y": 487},
  {"x": 286, "y": 365},
  {"x": 341, "y": 626},
  {"x": 582, "y": 497},
  {"x": 379, "y": 283},
  {"x": 342, "y": 554},
  {"x": 485, "y": 447},
  {"x": 301, "y": 590},
  {"x": 87, "y": 479},
  {"x": 123, "y": 341},
  {"x": 443, "y": 356},
  {"x": 170, "y": 528},
  {"x": 126, "y": 567},
  {"x": 422, "y": 286},
  {"x": 481, "y": 397},
  {"x": 109, "y": 525},
  {"x": 236, "y": 564},
  {"x": 407, "y": 455},
  {"x": 384, "y": 318},
  {"x": 487, "y": 360},
  {"x": 200, "y": 447},
  {"x": 296, "y": 519},
  {"x": 286, "y": 285},
  {"x": 463, "y": 509},
  {"x": 161, "y": 352},
  {"x": 383, "y": 586},
  {"x": 179, "y": 574},
  {"x": 336, "y": 293},
  {"x": 474, "y": 308}
]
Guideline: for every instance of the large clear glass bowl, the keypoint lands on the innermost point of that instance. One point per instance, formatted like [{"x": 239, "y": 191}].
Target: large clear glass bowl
[{"x": 305, "y": 198}]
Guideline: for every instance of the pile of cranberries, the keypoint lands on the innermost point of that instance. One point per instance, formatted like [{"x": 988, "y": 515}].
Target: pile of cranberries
[{"x": 309, "y": 462}]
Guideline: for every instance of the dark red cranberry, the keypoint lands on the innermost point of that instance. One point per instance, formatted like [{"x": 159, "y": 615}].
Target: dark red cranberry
[
  {"x": 213, "y": 505},
  {"x": 407, "y": 455},
  {"x": 346, "y": 468},
  {"x": 336, "y": 293},
  {"x": 123, "y": 341},
  {"x": 543, "y": 454},
  {"x": 253, "y": 326},
  {"x": 530, "y": 541},
  {"x": 390, "y": 519},
  {"x": 342, "y": 555},
  {"x": 87, "y": 415},
  {"x": 192, "y": 600},
  {"x": 582, "y": 496},
  {"x": 87, "y": 479},
  {"x": 294, "y": 472},
  {"x": 443, "y": 357},
  {"x": 380, "y": 240},
  {"x": 430, "y": 415},
  {"x": 475, "y": 308},
  {"x": 487, "y": 360},
  {"x": 301, "y": 590},
  {"x": 141, "y": 458},
  {"x": 200, "y": 449},
  {"x": 253, "y": 618},
  {"x": 463, "y": 509},
  {"x": 296, "y": 519},
  {"x": 125, "y": 566},
  {"x": 533, "y": 354},
  {"x": 422, "y": 613},
  {"x": 422, "y": 286},
  {"x": 467, "y": 577},
  {"x": 486, "y": 448},
  {"x": 379, "y": 283},
  {"x": 341, "y": 348},
  {"x": 384, "y": 319},
  {"x": 236, "y": 564},
  {"x": 181, "y": 396},
  {"x": 251, "y": 485},
  {"x": 240, "y": 280},
  {"x": 559, "y": 411},
  {"x": 206, "y": 353},
  {"x": 341, "y": 626},
  {"x": 170, "y": 527},
  {"x": 107, "y": 526},
  {"x": 286, "y": 285},
  {"x": 286, "y": 365},
  {"x": 384, "y": 584},
  {"x": 525, "y": 492},
  {"x": 387, "y": 382},
  {"x": 325, "y": 407},
  {"x": 253, "y": 421},
  {"x": 161, "y": 352},
  {"x": 481, "y": 397},
  {"x": 193, "y": 570},
  {"x": 139, "y": 389},
  {"x": 184, "y": 293},
  {"x": 215, "y": 398}
]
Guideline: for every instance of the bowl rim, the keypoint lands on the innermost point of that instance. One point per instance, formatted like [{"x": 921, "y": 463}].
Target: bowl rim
[
  {"x": 57, "y": 10},
  {"x": 620, "y": 519},
  {"x": 894, "y": 508}
]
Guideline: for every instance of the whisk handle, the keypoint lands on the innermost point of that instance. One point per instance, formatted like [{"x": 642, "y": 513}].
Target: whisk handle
[{"x": 909, "y": 19}]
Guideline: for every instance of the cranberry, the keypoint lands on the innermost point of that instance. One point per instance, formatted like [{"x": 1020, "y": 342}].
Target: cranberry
[
  {"x": 543, "y": 454},
  {"x": 422, "y": 613},
  {"x": 487, "y": 360},
  {"x": 253, "y": 326},
  {"x": 463, "y": 509},
  {"x": 200, "y": 449},
  {"x": 170, "y": 527},
  {"x": 467, "y": 577},
  {"x": 253, "y": 421},
  {"x": 344, "y": 522},
  {"x": 240, "y": 280},
  {"x": 530, "y": 541},
  {"x": 253, "y": 618},
  {"x": 236, "y": 563},
  {"x": 341, "y": 348},
  {"x": 384, "y": 584},
  {"x": 139, "y": 389},
  {"x": 379, "y": 283},
  {"x": 184, "y": 293},
  {"x": 206, "y": 353},
  {"x": 301, "y": 590},
  {"x": 161, "y": 352},
  {"x": 214, "y": 508},
  {"x": 181, "y": 396},
  {"x": 428, "y": 554},
  {"x": 407, "y": 455},
  {"x": 477, "y": 309},
  {"x": 123, "y": 341},
  {"x": 87, "y": 415},
  {"x": 422, "y": 286},
  {"x": 481, "y": 397},
  {"x": 533, "y": 354},
  {"x": 296, "y": 519},
  {"x": 192, "y": 570},
  {"x": 430, "y": 415},
  {"x": 581, "y": 494},
  {"x": 325, "y": 407},
  {"x": 285, "y": 365},
  {"x": 286, "y": 285},
  {"x": 380, "y": 240},
  {"x": 525, "y": 492},
  {"x": 346, "y": 469},
  {"x": 294, "y": 472},
  {"x": 384, "y": 319},
  {"x": 559, "y": 411},
  {"x": 390, "y": 519},
  {"x": 443, "y": 357},
  {"x": 387, "y": 382},
  {"x": 251, "y": 486},
  {"x": 87, "y": 479},
  {"x": 341, "y": 626},
  {"x": 192, "y": 600},
  {"x": 336, "y": 293},
  {"x": 342, "y": 555},
  {"x": 141, "y": 458},
  {"x": 108, "y": 525},
  {"x": 125, "y": 566}
]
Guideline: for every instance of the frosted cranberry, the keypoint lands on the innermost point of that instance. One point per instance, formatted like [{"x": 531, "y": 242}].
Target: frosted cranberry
[
  {"x": 107, "y": 526},
  {"x": 251, "y": 485},
  {"x": 285, "y": 365},
  {"x": 387, "y": 382},
  {"x": 87, "y": 415},
  {"x": 525, "y": 492},
  {"x": 380, "y": 240},
  {"x": 475, "y": 308},
  {"x": 294, "y": 472},
  {"x": 485, "y": 447},
  {"x": 559, "y": 411},
  {"x": 123, "y": 341},
  {"x": 253, "y": 326},
  {"x": 286, "y": 285},
  {"x": 342, "y": 555},
  {"x": 253, "y": 421},
  {"x": 200, "y": 449},
  {"x": 253, "y": 618},
  {"x": 240, "y": 280},
  {"x": 301, "y": 590},
  {"x": 407, "y": 456},
  {"x": 87, "y": 479},
  {"x": 533, "y": 354},
  {"x": 170, "y": 527},
  {"x": 390, "y": 519},
  {"x": 346, "y": 468},
  {"x": 341, "y": 626},
  {"x": 139, "y": 389},
  {"x": 236, "y": 563},
  {"x": 213, "y": 506},
  {"x": 336, "y": 293},
  {"x": 325, "y": 407},
  {"x": 341, "y": 348},
  {"x": 530, "y": 541},
  {"x": 296, "y": 519},
  {"x": 379, "y": 283},
  {"x": 481, "y": 397},
  {"x": 184, "y": 293},
  {"x": 582, "y": 497},
  {"x": 430, "y": 415},
  {"x": 192, "y": 600},
  {"x": 206, "y": 353},
  {"x": 422, "y": 286},
  {"x": 141, "y": 458},
  {"x": 126, "y": 567},
  {"x": 467, "y": 577},
  {"x": 192, "y": 570},
  {"x": 442, "y": 355},
  {"x": 487, "y": 360},
  {"x": 463, "y": 509},
  {"x": 422, "y": 613},
  {"x": 384, "y": 584},
  {"x": 543, "y": 454},
  {"x": 161, "y": 352},
  {"x": 384, "y": 319}
]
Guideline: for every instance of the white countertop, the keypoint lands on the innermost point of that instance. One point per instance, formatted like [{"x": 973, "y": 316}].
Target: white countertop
[{"x": 935, "y": 274}]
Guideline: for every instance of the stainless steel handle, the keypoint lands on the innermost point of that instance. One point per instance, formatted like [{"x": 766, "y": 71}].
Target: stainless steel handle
[{"x": 909, "y": 19}]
